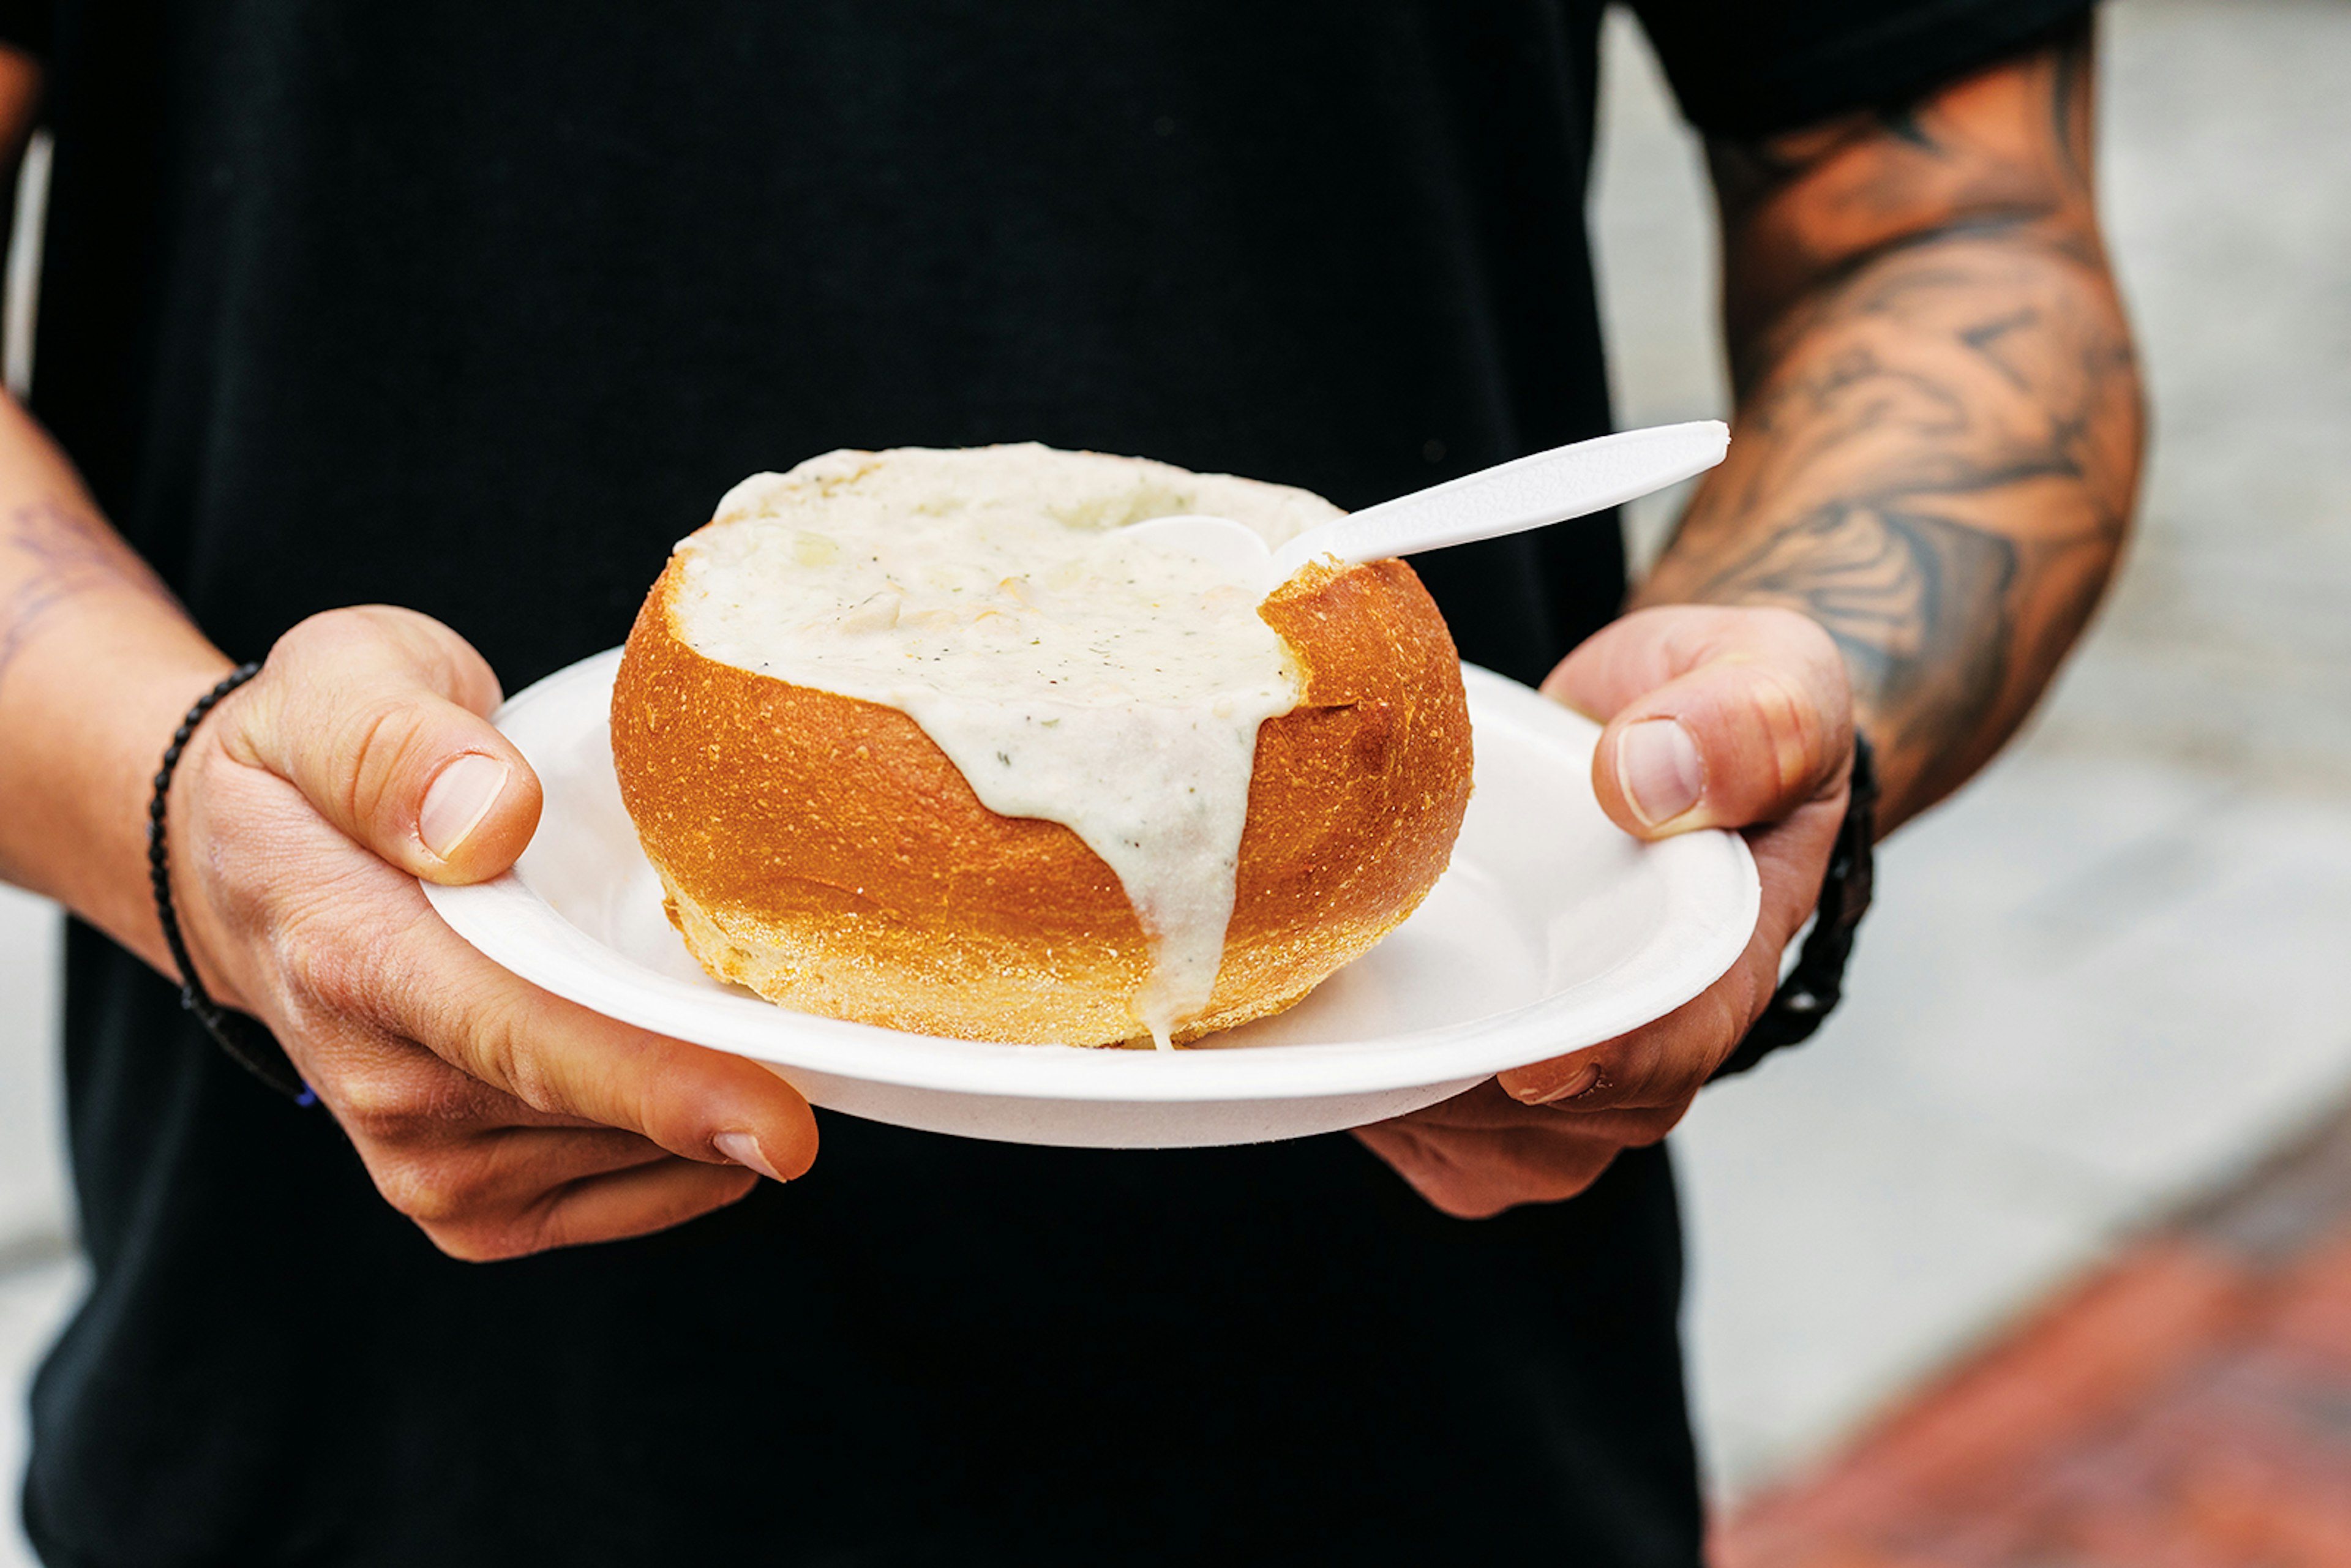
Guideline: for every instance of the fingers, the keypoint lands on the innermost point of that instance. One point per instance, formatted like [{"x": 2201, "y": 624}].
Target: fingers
[
  {"x": 504, "y": 1192},
  {"x": 1661, "y": 1065},
  {"x": 379, "y": 717},
  {"x": 609, "y": 1208},
  {"x": 559, "y": 1058},
  {"x": 487, "y": 1175},
  {"x": 474, "y": 1177},
  {"x": 481, "y": 1174},
  {"x": 1478, "y": 1154},
  {"x": 1664, "y": 1063},
  {"x": 633, "y": 1203},
  {"x": 1716, "y": 716}
]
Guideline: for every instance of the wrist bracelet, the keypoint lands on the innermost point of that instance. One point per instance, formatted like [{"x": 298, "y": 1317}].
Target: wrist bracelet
[
  {"x": 248, "y": 1044},
  {"x": 1814, "y": 987}
]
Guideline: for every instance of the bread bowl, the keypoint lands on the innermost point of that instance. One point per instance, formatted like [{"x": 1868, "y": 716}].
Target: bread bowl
[{"x": 799, "y": 675}]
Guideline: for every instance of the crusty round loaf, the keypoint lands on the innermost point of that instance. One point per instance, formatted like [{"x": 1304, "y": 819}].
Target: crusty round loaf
[{"x": 824, "y": 852}]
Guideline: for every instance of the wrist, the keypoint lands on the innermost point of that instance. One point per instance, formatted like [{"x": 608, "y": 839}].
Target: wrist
[
  {"x": 1812, "y": 989},
  {"x": 245, "y": 1040},
  {"x": 84, "y": 720}
]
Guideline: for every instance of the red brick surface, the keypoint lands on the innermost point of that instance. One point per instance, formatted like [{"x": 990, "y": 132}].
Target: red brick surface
[{"x": 2187, "y": 1407}]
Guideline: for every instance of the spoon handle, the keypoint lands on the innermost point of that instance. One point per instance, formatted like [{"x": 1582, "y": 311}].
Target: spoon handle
[{"x": 1548, "y": 487}]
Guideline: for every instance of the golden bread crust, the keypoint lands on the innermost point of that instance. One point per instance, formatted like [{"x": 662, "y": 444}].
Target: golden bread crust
[{"x": 824, "y": 852}]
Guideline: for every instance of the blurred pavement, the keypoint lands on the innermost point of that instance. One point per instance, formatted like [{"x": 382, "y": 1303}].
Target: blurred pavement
[
  {"x": 2112, "y": 974},
  {"x": 2181, "y": 1406},
  {"x": 39, "y": 1276}
]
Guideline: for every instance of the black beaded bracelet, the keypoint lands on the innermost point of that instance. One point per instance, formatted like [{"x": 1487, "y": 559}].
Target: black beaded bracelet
[
  {"x": 1814, "y": 987},
  {"x": 248, "y": 1044}
]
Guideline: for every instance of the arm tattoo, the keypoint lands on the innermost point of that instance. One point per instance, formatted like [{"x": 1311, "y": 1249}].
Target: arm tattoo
[
  {"x": 62, "y": 554},
  {"x": 1900, "y": 592},
  {"x": 1938, "y": 432}
]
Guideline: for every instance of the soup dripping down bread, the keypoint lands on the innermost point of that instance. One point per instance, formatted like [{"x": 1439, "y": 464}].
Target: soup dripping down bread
[{"x": 916, "y": 739}]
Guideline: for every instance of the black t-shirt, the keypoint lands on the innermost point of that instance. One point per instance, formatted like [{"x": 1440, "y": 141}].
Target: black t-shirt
[{"x": 476, "y": 307}]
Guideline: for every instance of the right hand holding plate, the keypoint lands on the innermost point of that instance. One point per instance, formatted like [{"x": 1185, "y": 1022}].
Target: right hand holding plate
[{"x": 1718, "y": 716}]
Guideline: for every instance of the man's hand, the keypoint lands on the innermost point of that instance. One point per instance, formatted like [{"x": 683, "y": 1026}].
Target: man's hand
[
  {"x": 501, "y": 1119},
  {"x": 1717, "y": 718},
  {"x": 1932, "y": 462}
]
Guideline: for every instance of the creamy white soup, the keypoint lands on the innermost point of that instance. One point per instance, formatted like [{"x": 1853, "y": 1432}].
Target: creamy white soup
[{"x": 1072, "y": 673}]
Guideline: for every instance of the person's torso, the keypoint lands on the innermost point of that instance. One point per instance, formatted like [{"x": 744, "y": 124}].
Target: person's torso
[{"x": 476, "y": 309}]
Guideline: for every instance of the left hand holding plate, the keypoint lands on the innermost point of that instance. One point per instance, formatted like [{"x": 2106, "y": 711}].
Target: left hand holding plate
[{"x": 1718, "y": 716}]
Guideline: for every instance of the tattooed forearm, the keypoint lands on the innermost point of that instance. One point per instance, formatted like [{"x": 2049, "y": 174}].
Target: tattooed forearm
[
  {"x": 51, "y": 554},
  {"x": 1938, "y": 426}
]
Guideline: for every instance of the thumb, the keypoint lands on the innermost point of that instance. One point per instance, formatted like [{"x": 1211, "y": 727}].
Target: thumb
[
  {"x": 377, "y": 716},
  {"x": 1718, "y": 716}
]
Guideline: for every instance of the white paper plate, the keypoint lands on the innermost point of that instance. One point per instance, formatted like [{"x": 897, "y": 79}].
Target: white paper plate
[{"x": 1552, "y": 930}]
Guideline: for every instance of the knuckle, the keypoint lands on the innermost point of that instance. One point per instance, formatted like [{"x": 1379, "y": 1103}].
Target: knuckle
[
  {"x": 423, "y": 1191},
  {"x": 398, "y": 1098},
  {"x": 475, "y": 1243},
  {"x": 456, "y": 667},
  {"x": 328, "y": 979},
  {"x": 474, "y": 1045},
  {"x": 335, "y": 984},
  {"x": 315, "y": 634},
  {"x": 383, "y": 747},
  {"x": 453, "y": 1186},
  {"x": 438, "y": 656},
  {"x": 1643, "y": 1128},
  {"x": 365, "y": 739},
  {"x": 1794, "y": 728},
  {"x": 499, "y": 1050},
  {"x": 376, "y": 1111},
  {"x": 484, "y": 1236}
]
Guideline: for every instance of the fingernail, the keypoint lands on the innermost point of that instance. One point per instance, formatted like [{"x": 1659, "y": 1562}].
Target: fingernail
[
  {"x": 1658, "y": 770},
  {"x": 743, "y": 1150},
  {"x": 1582, "y": 1079},
  {"x": 460, "y": 797}
]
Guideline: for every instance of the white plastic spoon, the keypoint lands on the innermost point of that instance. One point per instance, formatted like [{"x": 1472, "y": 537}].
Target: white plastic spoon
[{"x": 1507, "y": 499}]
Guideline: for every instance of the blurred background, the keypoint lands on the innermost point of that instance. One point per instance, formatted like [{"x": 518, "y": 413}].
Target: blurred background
[{"x": 2041, "y": 1253}]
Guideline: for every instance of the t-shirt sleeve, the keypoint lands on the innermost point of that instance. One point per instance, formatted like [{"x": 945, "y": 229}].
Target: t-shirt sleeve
[
  {"x": 24, "y": 25},
  {"x": 1742, "y": 68}
]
